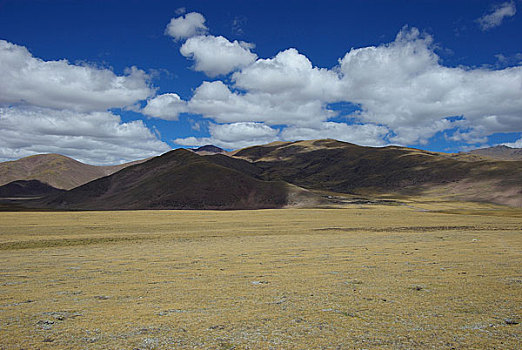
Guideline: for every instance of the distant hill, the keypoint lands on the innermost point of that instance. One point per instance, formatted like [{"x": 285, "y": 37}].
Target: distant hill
[
  {"x": 55, "y": 170},
  {"x": 179, "y": 179},
  {"x": 27, "y": 188},
  {"x": 294, "y": 173},
  {"x": 499, "y": 153},
  {"x": 208, "y": 149},
  {"x": 347, "y": 168}
]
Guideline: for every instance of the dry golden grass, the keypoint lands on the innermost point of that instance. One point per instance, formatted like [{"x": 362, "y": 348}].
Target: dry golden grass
[{"x": 358, "y": 277}]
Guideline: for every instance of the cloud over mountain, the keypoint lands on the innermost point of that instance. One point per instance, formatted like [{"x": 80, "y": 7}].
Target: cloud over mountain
[
  {"x": 402, "y": 92},
  {"x": 59, "y": 107},
  {"x": 93, "y": 137},
  {"x": 404, "y": 86},
  {"x": 234, "y": 135}
]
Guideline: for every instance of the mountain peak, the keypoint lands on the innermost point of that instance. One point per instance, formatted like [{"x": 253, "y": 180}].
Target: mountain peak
[
  {"x": 54, "y": 169},
  {"x": 209, "y": 149},
  {"x": 499, "y": 152}
]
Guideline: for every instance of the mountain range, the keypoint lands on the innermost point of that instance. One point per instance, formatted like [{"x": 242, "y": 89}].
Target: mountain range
[
  {"x": 55, "y": 170},
  {"x": 280, "y": 174},
  {"x": 500, "y": 152}
]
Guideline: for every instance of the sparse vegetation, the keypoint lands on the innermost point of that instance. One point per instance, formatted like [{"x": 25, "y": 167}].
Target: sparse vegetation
[{"x": 360, "y": 276}]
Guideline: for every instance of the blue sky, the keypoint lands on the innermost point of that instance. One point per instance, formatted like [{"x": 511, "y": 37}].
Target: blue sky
[{"x": 112, "y": 81}]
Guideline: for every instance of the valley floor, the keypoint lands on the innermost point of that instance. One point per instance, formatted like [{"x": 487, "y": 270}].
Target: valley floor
[{"x": 363, "y": 276}]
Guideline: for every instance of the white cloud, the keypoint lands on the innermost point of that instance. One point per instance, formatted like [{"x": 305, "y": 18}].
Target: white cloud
[
  {"x": 361, "y": 134},
  {"x": 93, "y": 138},
  {"x": 409, "y": 134},
  {"x": 244, "y": 134},
  {"x": 405, "y": 94},
  {"x": 289, "y": 73},
  {"x": 59, "y": 84},
  {"x": 476, "y": 135},
  {"x": 216, "y": 55},
  {"x": 404, "y": 86},
  {"x": 166, "y": 106},
  {"x": 516, "y": 144},
  {"x": 238, "y": 131},
  {"x": 189, "y": 25},
  {"x": 234, "y": 135},
  {"x": 58, "y": 107},
  {"x": 216, "y": 101},
  {"x": 495, "y": 18}
]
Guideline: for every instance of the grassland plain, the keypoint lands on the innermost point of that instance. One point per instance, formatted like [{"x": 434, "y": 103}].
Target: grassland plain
[{"x": 421, "y": 275}]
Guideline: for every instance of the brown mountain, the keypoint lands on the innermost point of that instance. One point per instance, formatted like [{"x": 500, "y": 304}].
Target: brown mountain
[
  {"x": 277, "y": 174},
  {"x": 55, "y": 170},
  {"x": 208, "y": 150},
  {"x": 347, "y": 168},
  {"x": 27, "y": 188},
  {"x": 499, "y": 153},
  {"x": 179, "y": 179}
]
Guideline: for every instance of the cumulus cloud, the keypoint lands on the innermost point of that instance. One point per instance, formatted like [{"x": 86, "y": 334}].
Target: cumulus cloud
[
  {"x": 166, "y": 106},
  {"x": 92, "y": 137},
  {"x": 236, "y": 131},
  {"x": 405, "y": 94},
  {"x": 233, "y": 136},
  {"x": 184, "y": 27},
  {"x": 361, "y": 134},
  {"x": 216, "y": 101},
  {"x": 60, "y": 84},
  {"x": 516, "y": 144},
  {"x": 475, "y": 135},
  {"x": 495, "y": 18},
  {"x": 59, "y": 107},
  {"x": 244, "y": 134},
  {"x": 216, "y": 55},
  {"x": 404, "y": 86},
  {"x": 289, "y": 73}
]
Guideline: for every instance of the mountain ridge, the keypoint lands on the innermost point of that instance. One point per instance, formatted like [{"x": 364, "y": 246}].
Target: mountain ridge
[
  {"x": 289, "y": 173},
  {"x": 499, "y": 152},
  {"x": 55, "y": 170},
  {"x": 342, "y": 167},
  {"x": 179, "y": 179}
]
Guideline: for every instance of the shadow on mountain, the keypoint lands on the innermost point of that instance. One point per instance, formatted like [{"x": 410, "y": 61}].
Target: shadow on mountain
[
  {"x": 301, "y": 174},
  {"x": 27, "y": 188},
  {"x": 331, "y": 165},
  {"x": 179, "y": 179}
]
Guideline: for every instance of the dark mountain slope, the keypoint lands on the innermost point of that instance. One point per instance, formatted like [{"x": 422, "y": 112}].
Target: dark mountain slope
[
  {"x": 179, "y": 179},
  {"x": 237, "y": 164},
  {"x": 343, "y": 167},
  {"x": 270, "y": 176},
  {"x": 27, "y": 188},
  {"x": 346, "y": 168},
  {"x": 56, "y": 170}
]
